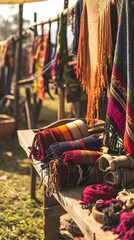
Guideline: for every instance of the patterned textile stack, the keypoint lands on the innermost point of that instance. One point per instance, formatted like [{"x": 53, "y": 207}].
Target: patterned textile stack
[
  {"x": 67, "y": 132},
  {"x": 68, "y": 150}
]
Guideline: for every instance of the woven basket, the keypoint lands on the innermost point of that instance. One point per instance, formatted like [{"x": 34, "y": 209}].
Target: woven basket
[
  {"x": 99, "y": 216},
  {"x": 7, "y": 126}
]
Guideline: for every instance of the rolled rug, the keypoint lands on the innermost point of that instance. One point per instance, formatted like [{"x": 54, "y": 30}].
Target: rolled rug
[
  {"x": 92, "y": 142},
  {"x": 78, "y": 129},
  {"x": 81, "y": 157},
  {"x": 122, "y": 177},
  {"x": 46, "y": 137},
  {"x": 110, "y": 162}
]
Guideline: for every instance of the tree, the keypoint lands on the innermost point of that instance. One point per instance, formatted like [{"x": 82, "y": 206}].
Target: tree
[{"x": 9, "y": 26}]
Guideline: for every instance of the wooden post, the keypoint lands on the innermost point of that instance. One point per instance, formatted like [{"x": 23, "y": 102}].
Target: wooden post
[
  {"x": 32, "y": 125},
  {"x": 61, "y": 89},
  {"x": 52, "y": 211},
  {"x": 61, "y": 95},
  {"x": 18, "y": 64}
]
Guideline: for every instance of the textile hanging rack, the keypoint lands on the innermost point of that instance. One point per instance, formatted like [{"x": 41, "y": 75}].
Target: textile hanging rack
[
  {"x": 53, "y": 19},
  {"x": 36, "y": 75}
]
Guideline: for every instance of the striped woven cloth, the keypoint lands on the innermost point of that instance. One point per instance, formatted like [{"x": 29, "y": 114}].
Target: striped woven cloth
[
  {"x": 68, "y": 132},
  {"x": 92, "y": 142},
  {"x": 81, "y": 157},
  {"x": 119, "y": 134},
  {"x": 94, "y": 52},
  {"x": 60, "y": 175}
]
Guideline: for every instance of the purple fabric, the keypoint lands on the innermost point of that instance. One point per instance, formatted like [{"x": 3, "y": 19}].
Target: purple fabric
[
  {"x": 92, "y": 142},
  {"x": 125, "y": 228}
]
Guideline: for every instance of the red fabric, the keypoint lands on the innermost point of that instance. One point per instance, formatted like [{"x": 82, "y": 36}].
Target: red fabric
[
  {"x": 106, "y": 203},
  {"x": 45, "y": 138},
  {"x": 94, "y": 192},
  {"x": 81, "y": 157},
  {"x": 125, "y": 228}
]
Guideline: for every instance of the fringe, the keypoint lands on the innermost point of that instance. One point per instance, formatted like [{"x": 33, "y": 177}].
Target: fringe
[{"x": 94, "y": 78}]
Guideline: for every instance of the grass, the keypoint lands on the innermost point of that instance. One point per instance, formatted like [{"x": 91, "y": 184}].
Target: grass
[{"x": 21, "y": 218}]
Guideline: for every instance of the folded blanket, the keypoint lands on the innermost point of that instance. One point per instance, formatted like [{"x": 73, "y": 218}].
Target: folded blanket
[
  {"x": 67, "y": 132},
  {"x": 93, "y": 142},
  {"x": 81, "y": 157}
]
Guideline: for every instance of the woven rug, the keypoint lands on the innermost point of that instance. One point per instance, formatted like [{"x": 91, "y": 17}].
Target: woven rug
[
  {"x": 94, "y": 52},
  {"x": 119, "y": 133}
]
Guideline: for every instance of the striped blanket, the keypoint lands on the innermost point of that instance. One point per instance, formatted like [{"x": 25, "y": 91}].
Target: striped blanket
[
  {"x": 92, "y": 142},
  {"x": 67, "y": 132},
  {"x": 81, "y": 157},
  {"x": 119, "y": 134}
]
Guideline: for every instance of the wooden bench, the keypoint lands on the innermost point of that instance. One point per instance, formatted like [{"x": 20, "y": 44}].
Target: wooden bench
[{"x": 62, "y": 202}]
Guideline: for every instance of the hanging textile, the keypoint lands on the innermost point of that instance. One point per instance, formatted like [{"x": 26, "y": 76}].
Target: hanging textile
[
  {"x": 3, "y": 48},
  {"x": 78, "y": 11},
  {"x": 94, "y": 52},
  {"x": 61, "y": 67},
  {"x": 119, "y": 133},
  {"x": 40, "y": 56},
  {"x": 7, "y": 64}
]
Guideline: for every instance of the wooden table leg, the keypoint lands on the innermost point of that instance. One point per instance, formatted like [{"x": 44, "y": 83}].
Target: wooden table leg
[
  {"x": 33, "y": 182},
  {"x": 52, "y": 212}
]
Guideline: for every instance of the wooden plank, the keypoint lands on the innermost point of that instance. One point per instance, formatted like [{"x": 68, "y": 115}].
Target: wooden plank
[{"x": 69, "y": 199}]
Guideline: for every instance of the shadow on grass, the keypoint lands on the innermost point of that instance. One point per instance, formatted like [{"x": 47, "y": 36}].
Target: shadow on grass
[
  {"x": 13, "y": 158},
  {"x": 47, "y": 116}
]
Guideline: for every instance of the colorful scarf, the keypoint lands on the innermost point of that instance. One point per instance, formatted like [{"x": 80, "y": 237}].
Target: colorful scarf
[
  {"x": 68, "y": 132},
  {"x": 94, "y": 192},
  {"x": 125, "y": 229},
  {"x": 40, "y": 58},
  {"x": 61, "y": 67},
  {"x": 7, "y": 64},
  {"x": 92, "y": 142},
  {"x": 81, "y": 157},
  {"x": 78, "y": 11},
  {"x": 119, "y": 133},
  {"x": 94, "y": 52}
]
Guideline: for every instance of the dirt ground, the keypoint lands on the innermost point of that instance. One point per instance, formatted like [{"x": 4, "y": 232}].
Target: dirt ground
[{"x": 69, "y": 230}]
